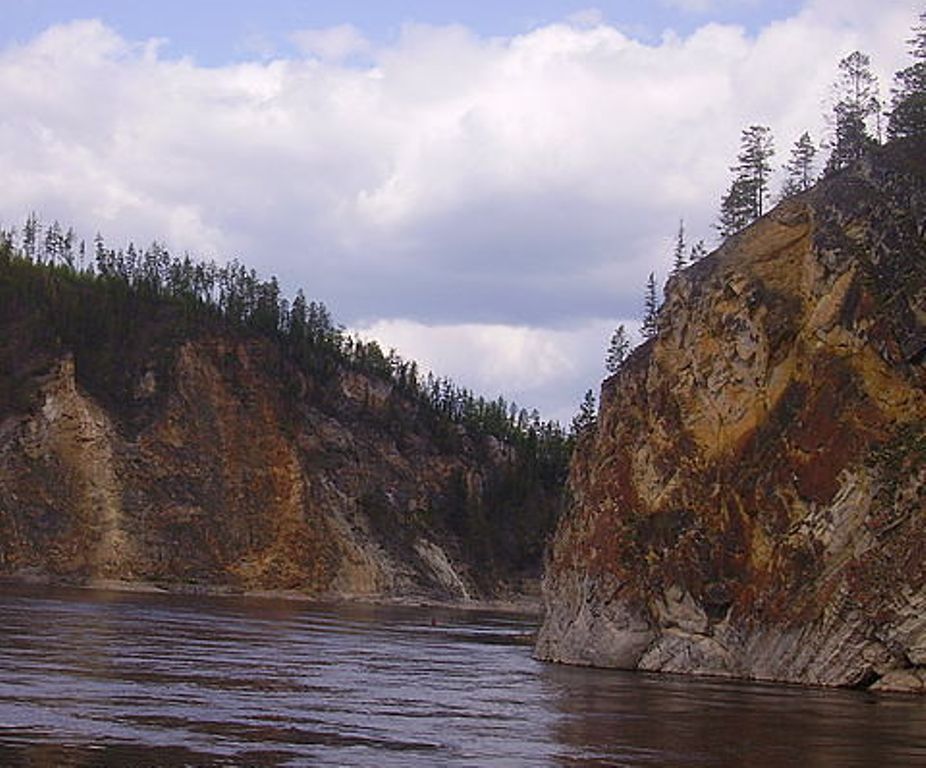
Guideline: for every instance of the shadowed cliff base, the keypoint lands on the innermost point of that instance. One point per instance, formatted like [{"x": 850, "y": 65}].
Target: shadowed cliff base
[{"x": 752, "y": 501}]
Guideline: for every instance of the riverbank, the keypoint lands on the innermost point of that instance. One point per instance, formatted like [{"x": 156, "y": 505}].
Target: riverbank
[{"x": 523, "y": 603}]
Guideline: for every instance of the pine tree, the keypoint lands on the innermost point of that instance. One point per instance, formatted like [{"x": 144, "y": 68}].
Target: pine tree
[
  {"x": 30, "y": 237},
  {"x": 678, "y": 255},
  {"x": 99, "y": 253},
  {"x": 617, "y": 350},
  {"x": 736, "y": 209},
  {"x": 650, "y": 308},
  {"x": 698, "y": 252},
  {"x": 584, "y": 422},
  {"x": 67, "y": 247},
  {"x": 756, "y": 150},
  {"x": 54, "y": 243},
  {"x": 799, "y": 169},
  {"x": 908, "y": 103},
  {"x": 856, "y": 91},
  {"x": 6, "y": 247},
  {"x": 745, "y": 199}
]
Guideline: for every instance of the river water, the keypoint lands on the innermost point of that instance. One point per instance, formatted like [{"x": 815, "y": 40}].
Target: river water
[{"x": 126, "y": 679}]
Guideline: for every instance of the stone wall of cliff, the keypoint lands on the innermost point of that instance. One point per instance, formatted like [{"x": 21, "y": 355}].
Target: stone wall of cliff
[
  {"x": 753, "y": 502},
  {"x": 208, "y": 460}
]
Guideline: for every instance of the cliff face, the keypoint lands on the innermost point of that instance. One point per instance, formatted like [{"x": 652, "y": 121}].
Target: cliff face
[
  {"x": 753, "y": 502},
  {"x": 213, "y": 468}
]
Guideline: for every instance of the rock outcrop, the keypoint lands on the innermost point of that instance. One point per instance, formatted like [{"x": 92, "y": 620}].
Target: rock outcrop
[
  {"x": 752, "y": 503},
  {"x": 216, "y": 465}
]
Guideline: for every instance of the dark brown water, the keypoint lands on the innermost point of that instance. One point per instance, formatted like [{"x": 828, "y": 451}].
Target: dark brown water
[{"x": 109, "y": 679}]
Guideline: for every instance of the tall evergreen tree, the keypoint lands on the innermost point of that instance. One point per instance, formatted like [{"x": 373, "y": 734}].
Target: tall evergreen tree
[
  {"x": 67, "y": 247},
  {"x": 856, "y": 103},
  {"x": 744, "y": 201},
  {"x": 908, "y": 103},
  {"x": 30, "y": 237},
  {"x": 584, "y": 422},
  {"x": 618, "y": 349},
  {"x": 753, "y": 164},
  {"x": 650, "y": 308},
  {"x": 54, "y": 243},
  {"x": 736, "y": 209},
  {"x": 678, "y": 254},
  {"x": 799, "y": 169},
  {"x": 698, "y": 252}
]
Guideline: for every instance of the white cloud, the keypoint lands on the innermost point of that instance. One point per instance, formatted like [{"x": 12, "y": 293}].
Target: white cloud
[
  {"x": 331, "y": 43},
  {"x": 257, "y": 45},
  {"x": 706, "y": 6},
  {"x": 587, "y": 17},
  {"x": 691, "y": 6},
  {"x": 536, "y": 367},
  {"x": 527, "y": 183}
]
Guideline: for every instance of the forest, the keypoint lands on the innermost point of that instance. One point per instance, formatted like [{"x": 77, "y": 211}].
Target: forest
[{"x": 110, "y": 307}]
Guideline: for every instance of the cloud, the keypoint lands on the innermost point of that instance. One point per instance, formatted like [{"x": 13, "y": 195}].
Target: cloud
[
  {"x": 706, "y": 6},
  {"x": 331, "y": 43},
  {"x": 441, "y": 181},
  {"x": 535, "y": 367},
  {"x": 257, "y": 45},
  {"x": 587, "y": 17},
  {"x": 692, "y": 6}
]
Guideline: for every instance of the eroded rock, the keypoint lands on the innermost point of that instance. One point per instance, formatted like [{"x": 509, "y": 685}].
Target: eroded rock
[{"x": 756, "y": 482}]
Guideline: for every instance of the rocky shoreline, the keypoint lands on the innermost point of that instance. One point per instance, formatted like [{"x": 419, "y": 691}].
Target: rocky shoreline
[{"x": 751, "y": 503}]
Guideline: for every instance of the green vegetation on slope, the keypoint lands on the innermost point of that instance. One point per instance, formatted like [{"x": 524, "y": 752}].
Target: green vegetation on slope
[{"x": 121, "y": 311}]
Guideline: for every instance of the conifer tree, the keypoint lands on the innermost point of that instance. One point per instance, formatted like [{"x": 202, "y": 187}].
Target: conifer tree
[
  {"x": 617, "y": 349},
  {"x": 799, "y": 169},
  {"x": 698, "y": 252},
  {"x": 54, "y": 243},
  {"x": 650, "y": 308},
  {"x": 584, "y": 422},
  {"x": 67, "y": 247},
  {"x": 736, "y": 210},
  {"x": 30, "y": 237},
  {"x": 908, "y": 103},
  {"x": 753, "y": 164},
  {"x": 744, "y": 201},
  {"x": 856, "y": 96},
  {"x": 678, "y": 255}
]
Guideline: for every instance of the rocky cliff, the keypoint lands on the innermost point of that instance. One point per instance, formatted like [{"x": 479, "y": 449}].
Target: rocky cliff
[
  {"x": 753, "y": 502},
  {"x": 205, "y": 458}
]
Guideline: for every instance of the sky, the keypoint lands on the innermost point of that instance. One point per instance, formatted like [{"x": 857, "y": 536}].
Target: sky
[{"x": 483, "y": 186}]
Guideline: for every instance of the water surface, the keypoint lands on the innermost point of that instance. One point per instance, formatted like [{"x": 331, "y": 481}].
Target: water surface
[{"x": 121, "y": 679}]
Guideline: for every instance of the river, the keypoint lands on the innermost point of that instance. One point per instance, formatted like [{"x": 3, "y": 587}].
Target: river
[{"x": 93, "y": 678}]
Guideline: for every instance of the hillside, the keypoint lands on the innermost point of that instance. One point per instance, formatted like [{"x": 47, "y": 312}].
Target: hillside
[
  {"x": 151, "y": 431},
  {"x": 752, "y": 503}
]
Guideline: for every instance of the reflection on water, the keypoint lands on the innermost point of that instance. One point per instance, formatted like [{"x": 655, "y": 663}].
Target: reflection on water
[{"x": 114, "y": 679}]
